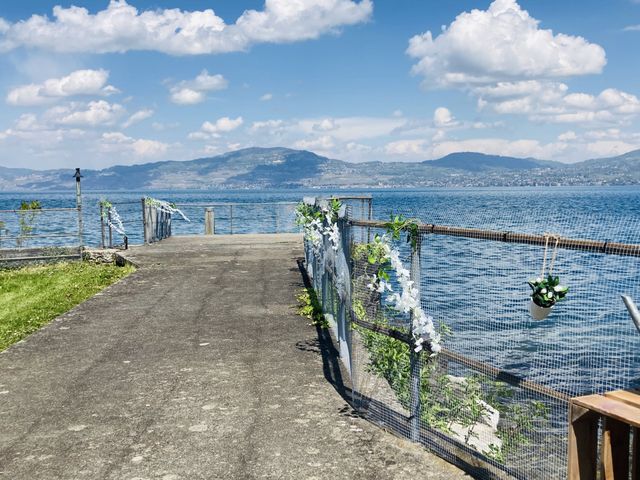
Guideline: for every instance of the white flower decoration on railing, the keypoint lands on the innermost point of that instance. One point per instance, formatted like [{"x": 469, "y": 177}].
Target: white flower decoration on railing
[
  {"x": 310, "y": 217},
  {"x": 408, "y": 300},
  {"x": 331, "y": 230},
  {"x": 165, "y": 207},
  {"x": 111, "y": 217}
]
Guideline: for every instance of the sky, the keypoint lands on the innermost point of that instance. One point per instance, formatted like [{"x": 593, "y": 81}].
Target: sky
[{"x": 96, "y": 83}]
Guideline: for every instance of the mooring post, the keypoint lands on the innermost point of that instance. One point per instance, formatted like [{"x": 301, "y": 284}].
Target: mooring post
[
  {"x": 78, "y": 176},
  {"x": 414, "y": 358},
  {"x": 102, "y": 224},
  {"x": 209, "y": 221}
]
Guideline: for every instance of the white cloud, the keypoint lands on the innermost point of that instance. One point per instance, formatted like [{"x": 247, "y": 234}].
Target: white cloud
[
  {"x": 501, "y": 43},
  {"x": 349, "y": 128},
  {"x": 80, "y": 82},
  {"x": 190, "y": 92},
  {"x": 407, "y": 148},
  {"x": 269, "y": 125},
  {"x": 119, "y": 142},
  {"x": 137, "y": 117},
  {"x": 322, "y": 143},
  {"x": 91, "y": 114},
  {"x": 214, "y": 130},
  {"x": 442, "y": 118},
  {"x": 632, "y": 28},
  {"x": 223, "y": 124},
  {"x": 551, "y": 102},
  {"x": 266, "y": 97},
  {"x": 567, "y": 136},
  {"x": 187, "y": 96},
  {"x": 121, "y": 27}
]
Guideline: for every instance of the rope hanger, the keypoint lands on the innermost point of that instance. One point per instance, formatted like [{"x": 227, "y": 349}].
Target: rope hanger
[{"x": 547, "y": 237}]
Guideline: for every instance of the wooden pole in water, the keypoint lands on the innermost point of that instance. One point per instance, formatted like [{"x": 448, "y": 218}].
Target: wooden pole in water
[{"x": 209, "y": 228}]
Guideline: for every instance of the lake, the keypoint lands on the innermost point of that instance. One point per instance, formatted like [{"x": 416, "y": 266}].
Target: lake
[{"x": 476, "y": 287}]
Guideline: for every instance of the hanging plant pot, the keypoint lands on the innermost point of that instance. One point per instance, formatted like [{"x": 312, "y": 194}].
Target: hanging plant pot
[{"x": 538, "y": 312}]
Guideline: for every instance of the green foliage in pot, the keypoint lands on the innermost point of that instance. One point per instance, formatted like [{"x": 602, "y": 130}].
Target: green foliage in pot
[{"x": 547, "y": 291}]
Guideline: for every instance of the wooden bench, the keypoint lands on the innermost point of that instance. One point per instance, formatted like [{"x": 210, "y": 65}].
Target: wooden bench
[{"x": 620, "y": 414}]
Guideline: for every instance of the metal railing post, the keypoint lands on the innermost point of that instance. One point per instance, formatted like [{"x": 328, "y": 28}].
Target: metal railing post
[
  {"x": 110, "y": 229},
  {"x": 102, "y": 225},
  {"x": 145, "y": 236},
  {"x": 415, "y": 379},
  {"x": 78, "y": 176},
  {"x": 369, "y": 218}
]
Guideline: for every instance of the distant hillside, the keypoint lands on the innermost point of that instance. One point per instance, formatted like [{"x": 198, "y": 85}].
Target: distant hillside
[
  {"x": 253, "y": 168},
  {"x": 477, "y": 162}
]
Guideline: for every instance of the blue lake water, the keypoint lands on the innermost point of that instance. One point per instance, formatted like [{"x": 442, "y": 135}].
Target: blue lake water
[{"x": 477, "y": 287}]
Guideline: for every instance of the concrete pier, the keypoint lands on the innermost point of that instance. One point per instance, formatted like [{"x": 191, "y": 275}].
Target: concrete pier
[{"x": 194, "y": 367}]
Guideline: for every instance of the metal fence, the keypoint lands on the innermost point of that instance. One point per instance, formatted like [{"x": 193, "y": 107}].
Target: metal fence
[
  {"x": 495, "y": 399},
  {"x": 33, "y": 233}
]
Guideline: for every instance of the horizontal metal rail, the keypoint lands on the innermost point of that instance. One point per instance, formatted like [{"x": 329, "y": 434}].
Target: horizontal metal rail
[
  {"x": 29, "y": 259},
  {"x": 352, "y": 197},
  {"x": 497, "y": 373},
  {"x": 389, "y": 332},
  {"x": 232, "y": 204},
  {"x": 68, "y": 209},
  {"x": 592, "y": 246},
  {"x": 42, "y": 235},
  {"x": 126, "y": 202}
]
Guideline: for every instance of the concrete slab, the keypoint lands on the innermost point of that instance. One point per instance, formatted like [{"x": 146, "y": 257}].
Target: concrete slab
[{"x": 194, "y": 367}]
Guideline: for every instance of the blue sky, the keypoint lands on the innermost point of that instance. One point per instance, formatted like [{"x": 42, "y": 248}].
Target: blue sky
[{"x": 104, "y": 83}]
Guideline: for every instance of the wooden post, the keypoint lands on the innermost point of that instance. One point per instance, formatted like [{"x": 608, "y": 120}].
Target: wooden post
[
  {"x": 615, "y": 450},
  {"x": 414, "y": 359},
  {"x": 583, "y": 443},
  {"x": 231, "y": 219},
  {"x": 209, "y": 221}
]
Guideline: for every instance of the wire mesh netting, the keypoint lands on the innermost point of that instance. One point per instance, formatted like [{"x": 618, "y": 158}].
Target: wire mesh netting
[
  {"x": 232, "y": 218},
  {"x": 495, "y": 400},
  {"x": 33, "y": 233}
]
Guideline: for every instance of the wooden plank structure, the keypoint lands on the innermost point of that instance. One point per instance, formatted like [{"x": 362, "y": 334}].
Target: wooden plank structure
[{"x": 619, "y": 458}]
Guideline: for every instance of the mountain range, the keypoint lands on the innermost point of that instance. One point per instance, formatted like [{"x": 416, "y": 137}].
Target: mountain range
[{"x": 287, "y": 168}]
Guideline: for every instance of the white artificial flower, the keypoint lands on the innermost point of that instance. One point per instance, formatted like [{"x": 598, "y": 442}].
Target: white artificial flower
[{"x": 543, "y": 291}]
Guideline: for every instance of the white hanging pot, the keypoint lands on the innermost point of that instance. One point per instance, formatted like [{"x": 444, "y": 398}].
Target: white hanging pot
[{"x": 538, "y": 312}]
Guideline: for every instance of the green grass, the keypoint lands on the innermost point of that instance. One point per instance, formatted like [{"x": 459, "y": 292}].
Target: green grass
[{"x": 30, "y": 297}]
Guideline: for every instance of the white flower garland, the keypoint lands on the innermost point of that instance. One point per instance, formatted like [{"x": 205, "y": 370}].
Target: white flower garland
[
  {"x": 408, "y": 301},
  {"x": 331, "y": 230},
  {"x": 165, "y": 207},
  {"x": 314, "y": 230},
  {"x": 112, "y": 218}
]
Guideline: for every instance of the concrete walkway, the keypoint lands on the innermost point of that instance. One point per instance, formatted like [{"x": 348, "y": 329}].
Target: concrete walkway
[{"x": 194, "y": 367}]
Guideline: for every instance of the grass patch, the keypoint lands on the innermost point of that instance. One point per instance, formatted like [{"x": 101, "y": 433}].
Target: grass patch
[
  {"x": 309, "y": 307},
  {"x": 33, "y": 296}
]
